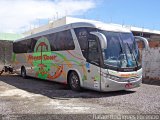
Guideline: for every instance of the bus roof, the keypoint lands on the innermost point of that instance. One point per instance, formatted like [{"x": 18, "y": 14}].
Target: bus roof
[
  {"x": 94, "y": 24},
  {"x": 102, "y": 26}
]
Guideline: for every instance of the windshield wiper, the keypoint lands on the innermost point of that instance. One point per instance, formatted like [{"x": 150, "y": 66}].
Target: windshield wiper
[
  {"x": 123, "y": 49},
  {"x": 130, "y": 50}
]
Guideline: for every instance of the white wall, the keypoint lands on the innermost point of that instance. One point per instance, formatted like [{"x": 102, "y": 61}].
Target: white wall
[{"x": 151, "y": 63}]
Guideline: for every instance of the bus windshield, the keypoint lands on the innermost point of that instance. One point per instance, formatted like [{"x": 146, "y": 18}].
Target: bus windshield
[{"x": 122, "y": 50}]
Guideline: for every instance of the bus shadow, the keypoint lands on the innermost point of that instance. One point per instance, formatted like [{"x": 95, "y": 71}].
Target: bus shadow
[
  {"x": 151, "y": 81},
  {"x": 54, "y": 90}
]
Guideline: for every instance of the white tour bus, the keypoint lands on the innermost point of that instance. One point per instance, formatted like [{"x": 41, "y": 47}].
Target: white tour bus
[{"x": 98, "y": 56}]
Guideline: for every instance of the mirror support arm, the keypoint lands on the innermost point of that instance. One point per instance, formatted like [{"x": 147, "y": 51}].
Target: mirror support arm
[
  {"x": 138, "y": 38},
  {"x": 102, "y": 39}
]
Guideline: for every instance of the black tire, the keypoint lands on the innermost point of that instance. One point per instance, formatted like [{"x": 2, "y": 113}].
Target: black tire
[
  {"x": 23, "y": 73},
  {"x": 74, "y": 81}
]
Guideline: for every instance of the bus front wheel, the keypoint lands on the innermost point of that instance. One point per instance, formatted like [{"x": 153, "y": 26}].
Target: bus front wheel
[
  {"x": 23, "y": 72},
  {"x": 74, "y": 81}
]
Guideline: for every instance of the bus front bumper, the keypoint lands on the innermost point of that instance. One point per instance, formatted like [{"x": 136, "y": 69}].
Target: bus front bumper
[{"x": 111, "y": 85}]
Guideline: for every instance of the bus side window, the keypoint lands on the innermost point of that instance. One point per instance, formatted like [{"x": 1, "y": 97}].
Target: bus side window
[
  {"x": 61, "y": 41},
  {"x": 31, "y": 44},
  {"x": 93, "y": 52},
  {"x": 82, "y": 36}
]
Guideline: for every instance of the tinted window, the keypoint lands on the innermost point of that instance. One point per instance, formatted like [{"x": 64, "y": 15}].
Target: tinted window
[
  {"x": 93, "y": 52},
  {"x": 83, "y": 35},
  {"x": 61, "y": 41},
  {"x": 31, "y": 44},
  {"x": 58, "y": 41},
  {"x": 52, "y": 40},
  {"x": 21, "y": 46}
]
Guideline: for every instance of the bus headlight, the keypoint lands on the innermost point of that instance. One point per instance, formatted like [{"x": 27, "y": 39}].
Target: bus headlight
[{"x": 113, "y": 77}]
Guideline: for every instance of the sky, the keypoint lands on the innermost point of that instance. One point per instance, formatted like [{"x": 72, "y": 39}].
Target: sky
[{"x": 18, "y": 16}]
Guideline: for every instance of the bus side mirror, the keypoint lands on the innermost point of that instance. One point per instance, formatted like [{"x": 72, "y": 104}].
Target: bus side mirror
[
  {"x": 145, "y": 41},
  {"x": 102, "y": 38}
]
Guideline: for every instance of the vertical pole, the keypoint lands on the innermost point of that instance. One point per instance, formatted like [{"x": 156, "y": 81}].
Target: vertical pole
[
  {"x": 4, "y": 55},
  {"x": 5, "y": 49}
]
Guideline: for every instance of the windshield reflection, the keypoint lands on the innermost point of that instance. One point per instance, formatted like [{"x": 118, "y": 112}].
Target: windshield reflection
[{"x": 122, "y": 50}]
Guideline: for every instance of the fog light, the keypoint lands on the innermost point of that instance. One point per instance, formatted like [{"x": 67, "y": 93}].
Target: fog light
[{"x": 106, "y": 85}]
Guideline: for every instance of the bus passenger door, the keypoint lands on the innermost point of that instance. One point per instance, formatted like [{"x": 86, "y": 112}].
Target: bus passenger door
[{"x": 93, "y": 65}]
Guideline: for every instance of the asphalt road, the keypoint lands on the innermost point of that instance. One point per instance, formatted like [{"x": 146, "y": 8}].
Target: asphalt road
[{"x": 33, "y": 97}]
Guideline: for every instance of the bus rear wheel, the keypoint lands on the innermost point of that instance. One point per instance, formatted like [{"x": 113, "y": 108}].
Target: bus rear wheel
[
  {"x": 74, "y": 81},
  {"x": 23, "y": 73}
]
